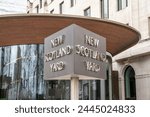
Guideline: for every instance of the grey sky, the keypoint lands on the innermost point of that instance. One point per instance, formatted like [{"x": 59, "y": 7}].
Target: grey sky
[{"x": 12, "y": 6}]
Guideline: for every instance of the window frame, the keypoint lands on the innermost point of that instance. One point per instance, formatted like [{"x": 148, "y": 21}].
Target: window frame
[
  {"x": 103, "y": 8},
  {"x": 61, "y": 7},
  {"x": 41, "y": 4},
  {"x": 52, "y": 11},
  {"x": 72, "y": 3},
  {"x": 122, "y": 4},
  {"x": 86, "y": 11},
  {"x": 37, "y": 8}
]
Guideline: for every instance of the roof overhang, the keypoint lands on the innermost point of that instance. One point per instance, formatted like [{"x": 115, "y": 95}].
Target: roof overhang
[{"x": 33, "y": 28}]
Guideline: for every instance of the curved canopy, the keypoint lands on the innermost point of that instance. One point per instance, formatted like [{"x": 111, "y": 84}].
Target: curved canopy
[{"x": 33, "y": 28}]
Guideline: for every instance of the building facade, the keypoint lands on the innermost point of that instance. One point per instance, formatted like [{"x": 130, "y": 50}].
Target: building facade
[
  {"x": 22, "y": 56},
  {"x": 88, "y": 89},
  {"x": 132, "y": 64},
  {"x": 75, "y": 7}
]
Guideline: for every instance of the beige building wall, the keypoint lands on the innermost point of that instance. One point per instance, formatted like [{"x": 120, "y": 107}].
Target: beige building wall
[
  {"x": 77, "y": 9},
  {"x": 136, "y": 15}
]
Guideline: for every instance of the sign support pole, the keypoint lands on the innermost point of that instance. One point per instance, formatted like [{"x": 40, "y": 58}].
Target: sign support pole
[{"x": 74, "y": 88}]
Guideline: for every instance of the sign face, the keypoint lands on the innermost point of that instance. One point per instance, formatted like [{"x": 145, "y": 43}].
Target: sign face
[{"x": 74, "y": 52}]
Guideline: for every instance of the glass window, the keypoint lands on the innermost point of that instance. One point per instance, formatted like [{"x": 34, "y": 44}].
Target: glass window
[
  {"x": 52, "y": 0},
  {"x": 87, "y": 11},
  {"x": 89, "y": 90},
  {"x": 45, "y": 7},
  {"x": 130, "y": 85},
  {"x": 61, "y": 7},
  {"x": 37, "y": 9},
  {"x": 21, "y": 72},
  {"x": 119, "y": 4},
  {"x": 104, "y": 8},
  {"x": 21, "y": 75},
  {"x": 58, "y": 90},
  {"x": 72, "y": 3},
  {"x": 40, "y": 3},
  {"x": 122, "y": 4}
]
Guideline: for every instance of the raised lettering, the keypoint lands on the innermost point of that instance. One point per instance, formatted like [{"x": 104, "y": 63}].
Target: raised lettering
[
  {"x": 86, "y": 52},
  {"x": 57, "y": 41},
  {"x": 90, "y": 66},
  {"x": 58, "y": 53},
  {"x": 57, "y": 66},
  {"x": 91, "y": 41}
]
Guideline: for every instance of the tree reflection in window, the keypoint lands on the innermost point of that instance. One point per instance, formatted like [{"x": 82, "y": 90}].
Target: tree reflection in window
[
  {"x": 21, "y": 75},
  {"x": 58, "y": 90},
  {"x": 21, "y": 71}
]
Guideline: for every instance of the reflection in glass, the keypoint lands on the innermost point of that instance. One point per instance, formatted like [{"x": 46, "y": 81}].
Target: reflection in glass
[
  {"x": 21, "y": 74},
  {"x": 58, "y": 90},
  {"x": 21, "y": 77},
  {"x": 21, "y": 71},
  {"x": 89, "y": 90}
]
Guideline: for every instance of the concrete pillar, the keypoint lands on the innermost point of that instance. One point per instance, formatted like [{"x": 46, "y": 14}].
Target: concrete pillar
[{"x": 74, "y": 88}]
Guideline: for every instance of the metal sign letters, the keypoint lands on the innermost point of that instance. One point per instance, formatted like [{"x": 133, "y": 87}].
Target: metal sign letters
[{"x": 74, "y": 51}]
